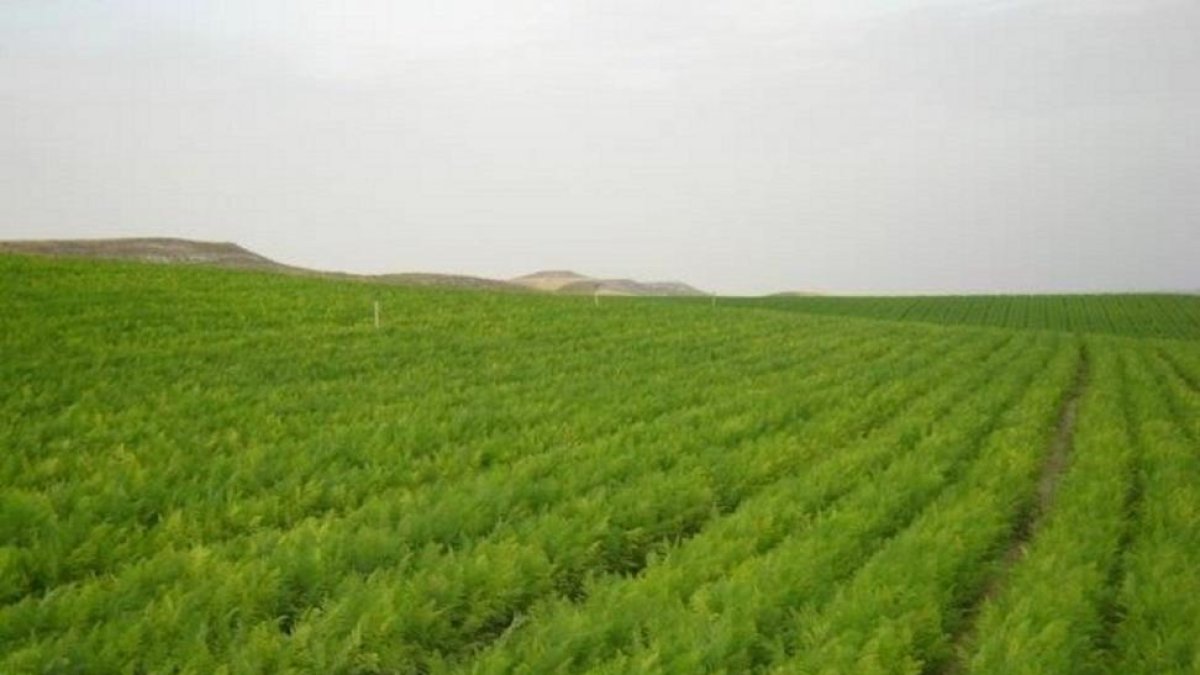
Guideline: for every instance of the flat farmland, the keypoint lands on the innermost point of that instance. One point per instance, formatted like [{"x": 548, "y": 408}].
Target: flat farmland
[
  {"x": 1135, "y": 315},
  {"x": 209, "y": 471}
]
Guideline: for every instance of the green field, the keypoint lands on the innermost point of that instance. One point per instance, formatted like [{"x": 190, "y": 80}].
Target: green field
[
  {"x": 1164, "y": 316},
  {"x": 207, "y": 471}
]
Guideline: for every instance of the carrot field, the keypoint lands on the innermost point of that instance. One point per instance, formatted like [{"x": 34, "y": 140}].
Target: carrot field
[
  {"x": 1143, "y": 315},
  {"x": 206, "y": 471}
]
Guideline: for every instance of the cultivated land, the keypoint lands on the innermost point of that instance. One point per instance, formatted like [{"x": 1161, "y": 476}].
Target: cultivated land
[
  {"x": 207, "y": 470},
  {"x": 1146, "y": 315}
]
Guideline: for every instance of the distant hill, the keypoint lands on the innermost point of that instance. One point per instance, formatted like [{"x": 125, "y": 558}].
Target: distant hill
[
  {"x": 224, "y": 254},
  {"x": 160, "y": 250},
  {"x": 549, "y": 280},
  {"x": 573, "y": 283}
]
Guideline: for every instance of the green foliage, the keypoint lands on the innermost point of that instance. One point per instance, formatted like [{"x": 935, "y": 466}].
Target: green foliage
[
  {"x": 218, "y": 471},
  {"x": 1052, "y": 616},
  {"x": 1165, "y": 316},
  {"x": 1108, "y": 583},
  {"x": 1159, "y": 596}
]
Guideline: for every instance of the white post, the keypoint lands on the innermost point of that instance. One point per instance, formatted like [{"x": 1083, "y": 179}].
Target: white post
[{"x": 376, "y": 314}]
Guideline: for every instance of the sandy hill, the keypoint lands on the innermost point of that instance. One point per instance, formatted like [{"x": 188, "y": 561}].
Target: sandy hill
[
  {"x": 549, "y": 280},
  {"x": 562, "y": 281},
  {"x": 147, "y": 249}
]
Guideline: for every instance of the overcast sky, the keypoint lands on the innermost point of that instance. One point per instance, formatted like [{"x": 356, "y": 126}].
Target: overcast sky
[{"x": 744, "y": 146}]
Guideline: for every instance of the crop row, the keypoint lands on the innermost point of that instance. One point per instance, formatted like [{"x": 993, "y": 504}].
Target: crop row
[
  {"x": 312, "y": 560},
  {"x": 207, "y": 471},
  {"x": 1159, "y": 594},
  {"x": 724, "y": 475},
  {"x": 1165, "y": 316},
  {"x": 1053, "y": 612},
  {"x": 720, "y": 596},
  {"x": 1107, "y": 585},
  {"x": 238, "y": 480},
  {"x": 170, "y": 498},
  {"x": 901, "y": 611}
]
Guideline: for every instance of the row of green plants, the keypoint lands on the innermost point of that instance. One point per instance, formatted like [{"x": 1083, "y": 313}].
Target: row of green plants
[
  {"x": 1159, "y": 593},
  {"x": 720, "y": 599},
  {"x": 1163, "y": 316},
  {"x": 266, "y": 506},
  {"x": 902, "y": 610},
  {"x": 204, "y": 463},
  {"x": 1106, "y": 586},
  {"x": 359, "y": 544},
  {"x": 175, "y": 422},
  {"x": 1056, "y": 604},
  {"x": 245, "y": 474},
  {"x": 733, "y": 477},
  {"x": 215, "y": 471}
]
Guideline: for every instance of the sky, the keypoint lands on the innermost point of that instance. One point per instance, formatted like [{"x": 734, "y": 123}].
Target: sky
[{"x": 842, "y": 146}]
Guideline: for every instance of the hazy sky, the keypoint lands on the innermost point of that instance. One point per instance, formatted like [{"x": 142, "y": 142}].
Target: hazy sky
[{"x": 744, "y": 146}]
